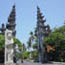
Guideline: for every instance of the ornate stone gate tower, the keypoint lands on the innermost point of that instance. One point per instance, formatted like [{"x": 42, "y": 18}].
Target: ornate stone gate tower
[
  {"x": 11, "y": 21},
  {"x": 42, "y": 31},
  {"x": 9, "y": 34}
]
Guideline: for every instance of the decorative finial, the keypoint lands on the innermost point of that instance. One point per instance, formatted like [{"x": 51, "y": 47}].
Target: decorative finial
[
  {"x": 38, "y": 8},
  {"x": 12, "y": 15},
  {"x": 14, "y": 5}
]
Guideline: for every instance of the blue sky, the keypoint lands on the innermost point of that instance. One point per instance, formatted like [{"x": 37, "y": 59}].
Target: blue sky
[{"x": 26, "y": 11}]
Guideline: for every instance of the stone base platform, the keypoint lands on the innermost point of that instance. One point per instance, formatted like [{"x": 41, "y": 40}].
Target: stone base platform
[{"x": 8, "y": 64}]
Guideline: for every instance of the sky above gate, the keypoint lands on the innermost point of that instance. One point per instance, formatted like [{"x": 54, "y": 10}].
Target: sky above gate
[{"x": 26, "y": 11}]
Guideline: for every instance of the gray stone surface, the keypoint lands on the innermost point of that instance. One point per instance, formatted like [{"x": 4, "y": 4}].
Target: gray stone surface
[
  {"x": 1, "y": 64},
  {"x": 32, "y": 63},
  {"x": 9, "y": 48}
]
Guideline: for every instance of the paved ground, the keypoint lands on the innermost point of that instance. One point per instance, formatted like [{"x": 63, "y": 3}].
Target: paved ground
[{"x": 32, "y": 63}]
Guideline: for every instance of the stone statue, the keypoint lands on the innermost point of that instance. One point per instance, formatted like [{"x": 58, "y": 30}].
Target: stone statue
[{"x": 9, "y": 48}]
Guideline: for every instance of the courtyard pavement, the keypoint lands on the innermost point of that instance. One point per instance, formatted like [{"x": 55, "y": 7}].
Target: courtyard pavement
[{"x": 33, "y": 63}]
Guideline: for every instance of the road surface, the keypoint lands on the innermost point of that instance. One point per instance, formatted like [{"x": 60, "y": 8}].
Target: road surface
[{"x": 32, "y": 63}]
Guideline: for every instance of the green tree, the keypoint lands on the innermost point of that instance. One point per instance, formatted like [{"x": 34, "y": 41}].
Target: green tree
[
  {"x": 25, "y": 54},
  {"x": 60, "y": 29},
  {"x": 35, "y": 46},
  {"x": 2, "y": 42},
  {"x": 57, "y": 38},
  {"x": 16, "y": 41},
  {"x": 34, "y": 54},
  {"x": 29, "y": 43}
]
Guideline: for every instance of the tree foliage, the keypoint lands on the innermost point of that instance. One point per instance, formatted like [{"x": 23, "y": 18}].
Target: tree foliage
[
  {"x": 57, "y": 38},
  {"x": 25, "y": 54},
  {"x": 35, "y": 46},
  {"x": 60, "y": 29},
  {"x": 29, "y": 43},
  {"x": 34, "y": 54},
  {"x": 2, "y": 42},
  {"x": 16, "y": 41}
]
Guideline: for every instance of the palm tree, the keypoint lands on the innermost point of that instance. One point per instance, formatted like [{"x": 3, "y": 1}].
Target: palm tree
[{"x": 31, "y": 38}]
